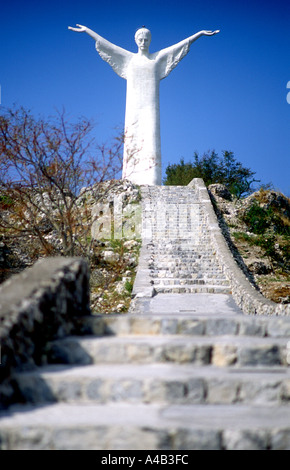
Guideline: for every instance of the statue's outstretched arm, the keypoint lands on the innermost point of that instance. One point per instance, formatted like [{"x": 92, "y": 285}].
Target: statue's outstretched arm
[
  {"x": 190, "y": 40},
  {"x": 194, "y": 37},
  {"x": 116, "y": 57},
  {"x": 80, "y": 29},
  {"x": 84, "y": 29},
  {"x": 169, "y": 57}
]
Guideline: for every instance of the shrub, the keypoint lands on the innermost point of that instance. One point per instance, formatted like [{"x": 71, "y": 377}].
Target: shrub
[
  {"x": 213, "y": 169},
  {"x": 44, "y": 164}
]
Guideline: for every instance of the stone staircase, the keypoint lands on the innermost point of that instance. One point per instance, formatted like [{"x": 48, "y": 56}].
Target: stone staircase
[
  {"x": 187, "y": 370},
  {"x": 182, "y": 258},
  {"x": 159, "y": 381}
]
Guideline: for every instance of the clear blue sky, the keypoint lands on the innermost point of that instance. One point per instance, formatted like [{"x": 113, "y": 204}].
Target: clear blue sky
[{"x": 228, "y": 93}]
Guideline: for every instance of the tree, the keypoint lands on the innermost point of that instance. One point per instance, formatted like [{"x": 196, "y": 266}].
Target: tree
[
  {"x": 213, "y": 169},
  {"x": 44, "y": 164}
]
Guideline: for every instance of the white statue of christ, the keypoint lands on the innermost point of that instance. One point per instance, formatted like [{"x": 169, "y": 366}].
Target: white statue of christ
[{"x": 143, "y": 72}]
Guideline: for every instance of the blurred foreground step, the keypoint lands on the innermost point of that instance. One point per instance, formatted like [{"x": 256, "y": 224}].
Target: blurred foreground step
[
  {"x": 155, "y": 383},
  {"x": 186, "y": 322},
  {"x": 156, "y": 427},
  {"x": 199, "y": 350}
]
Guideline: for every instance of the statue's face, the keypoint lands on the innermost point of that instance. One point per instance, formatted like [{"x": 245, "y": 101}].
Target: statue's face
[{"x": 143, "y": 40}]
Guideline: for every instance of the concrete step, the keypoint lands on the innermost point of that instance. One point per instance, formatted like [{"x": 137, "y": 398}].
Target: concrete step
[
  {"x": 185, "y": 322},
  {"x": 154, "y": 383},
  {"x": 126, "y": 426},
  {"x": 221, "y": 351},
  {"x": 193, "y": 289},
  {"x": 189, "y": 253},
  {"x": 183, "y": 258},
  {"x": 161, "y": 281},
  {"x": 182, "y": 275}
]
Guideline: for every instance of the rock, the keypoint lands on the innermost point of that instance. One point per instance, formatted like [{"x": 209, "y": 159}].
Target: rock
[
  {"x": 221, "y": 191},
  {"x": 119, "y": 287},
  {"x": 259, "y": 267},
  {"x": 130, "y": 260},
  {"x": 96, "y": 277},
  {"x": 110, "y": 256},
  {"x": 120, "y": 306},
  {"x": 224, "y": 355},
  {"x": 147, "y": 292},
  {"x": 129, "y": 244}
]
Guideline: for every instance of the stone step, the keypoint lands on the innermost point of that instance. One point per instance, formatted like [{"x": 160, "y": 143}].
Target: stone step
[
  {"x": 185, "y": 322},
  {"x": 196, "y": 278},
  {"x": 195, "y": 253},
  {"x": 174, "y": 195},
  {"x": 171, "y": 281},
  {"x": 184, "y": 271},
  {"x": 154, "y": 383},
  {"x": 193, "y": 289},
  {"x": 186, "y": 265},
  {"x": 179, "y": 264},
  {"x": 227, "y": 350},
  {"x": 122, "y": 426},
  {"x": 182, "y": 245},
  {"x": 164, "y": 271},
  {"x": 186, "y": 268},
  {"x": 178, "y": 260},
  {"x": 189, "y": 268},
  {"x": 168, "y": 277}
]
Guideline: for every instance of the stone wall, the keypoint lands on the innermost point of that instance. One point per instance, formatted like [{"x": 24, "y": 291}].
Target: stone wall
[
  {"x": 40, "y": 304},
  {"x": 249, "y": 299}
]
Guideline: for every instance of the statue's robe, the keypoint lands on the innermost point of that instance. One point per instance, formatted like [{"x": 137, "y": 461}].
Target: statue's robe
[{"x": 142, "y": 146}]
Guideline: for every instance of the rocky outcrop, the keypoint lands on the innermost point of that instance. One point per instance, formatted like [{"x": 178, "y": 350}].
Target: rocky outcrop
[{"x": 257, "y": 229}]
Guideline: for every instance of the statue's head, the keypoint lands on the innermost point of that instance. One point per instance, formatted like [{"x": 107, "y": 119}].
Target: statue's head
[{"x": 143, "y": 38}]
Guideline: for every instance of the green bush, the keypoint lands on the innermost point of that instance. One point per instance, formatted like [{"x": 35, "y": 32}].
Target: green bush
[
  {"x": 5, "y": 201},
  {"x": 213, "y": 169},
  {"x": 257, "y": 219},
  {"x": 260, "y": 219}
]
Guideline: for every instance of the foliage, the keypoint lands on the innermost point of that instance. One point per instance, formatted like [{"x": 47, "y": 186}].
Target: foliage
[
  {"x": 268, "y": 225},
  {"x": 259, "y": 219},
  {"x": 213, "y": 169},
  {"x": 113, "y": 293},
  {"x": 44, "y": 164}
]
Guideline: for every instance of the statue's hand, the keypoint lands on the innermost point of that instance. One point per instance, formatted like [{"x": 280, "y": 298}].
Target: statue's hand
[
  {"x": 80, "y": 29},
  {"x": 210, "y": 33}
]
